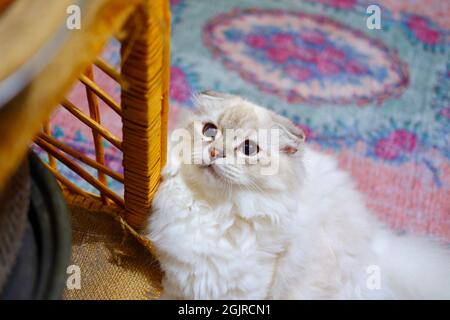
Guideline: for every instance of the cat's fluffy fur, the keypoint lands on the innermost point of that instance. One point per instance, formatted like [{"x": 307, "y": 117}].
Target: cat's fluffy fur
[{"x": 304, "y": 233}]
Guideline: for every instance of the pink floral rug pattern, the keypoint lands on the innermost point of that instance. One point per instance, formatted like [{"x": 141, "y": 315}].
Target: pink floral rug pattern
[{"x": 377, "y": 99}]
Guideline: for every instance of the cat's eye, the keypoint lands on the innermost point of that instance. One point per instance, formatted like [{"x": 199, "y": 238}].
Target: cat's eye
[
  {"x": 209, "y": 130},
  {"x": 249, "y": 148}
]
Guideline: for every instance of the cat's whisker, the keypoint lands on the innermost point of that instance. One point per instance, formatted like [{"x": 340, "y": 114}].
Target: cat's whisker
[{"x": 255, "y": 186}]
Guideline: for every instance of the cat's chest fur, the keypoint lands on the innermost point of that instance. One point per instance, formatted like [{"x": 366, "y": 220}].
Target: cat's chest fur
[{"x": 205, "y": 251}]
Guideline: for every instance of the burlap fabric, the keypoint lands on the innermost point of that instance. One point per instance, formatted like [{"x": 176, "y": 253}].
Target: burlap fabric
[{"x": 113, "y": 263}]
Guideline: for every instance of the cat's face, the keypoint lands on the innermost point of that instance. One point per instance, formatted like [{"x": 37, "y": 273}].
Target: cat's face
[{"x": 238, "y": 145}]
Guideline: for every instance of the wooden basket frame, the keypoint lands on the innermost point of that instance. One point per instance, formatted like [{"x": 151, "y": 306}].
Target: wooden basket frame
[{"x": 144, "y": 81}]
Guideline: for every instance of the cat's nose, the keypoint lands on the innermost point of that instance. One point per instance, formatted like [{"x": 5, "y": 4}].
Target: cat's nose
[{"x": 215, "y": 153}]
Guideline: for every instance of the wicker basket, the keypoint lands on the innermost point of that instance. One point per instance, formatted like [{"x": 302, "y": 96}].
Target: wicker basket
[
  {"x": 144, "y": 79},
  {"x": 143, "y": 28}
]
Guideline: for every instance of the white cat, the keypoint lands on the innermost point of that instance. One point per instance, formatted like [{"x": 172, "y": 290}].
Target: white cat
[{"x": 227, "y": 231}]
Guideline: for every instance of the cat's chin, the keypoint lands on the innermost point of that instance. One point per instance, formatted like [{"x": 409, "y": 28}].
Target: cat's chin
[
  {"x": 207, "y": 179},
  {"x": 210, "y": 171}
]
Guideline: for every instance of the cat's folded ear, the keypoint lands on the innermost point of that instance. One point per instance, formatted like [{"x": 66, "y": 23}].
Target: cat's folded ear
[
  {"x": 207, "y": 100},
  {"x": 209, "y": 94},
  {"x": 291, "y": 136}
]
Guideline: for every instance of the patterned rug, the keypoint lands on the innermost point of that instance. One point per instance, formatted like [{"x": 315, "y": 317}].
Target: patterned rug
[{"x": 376, "y": 99}]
